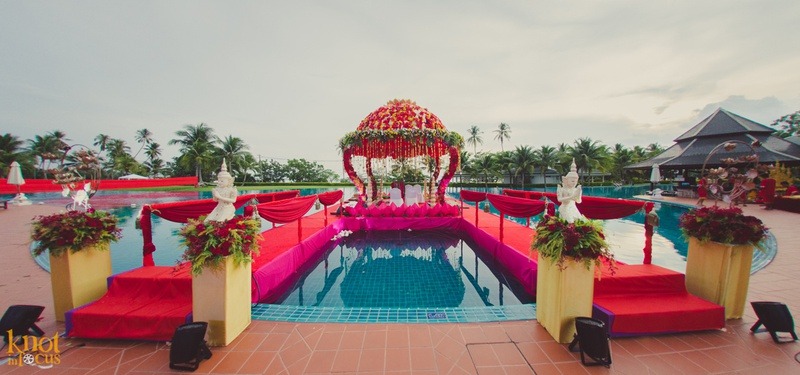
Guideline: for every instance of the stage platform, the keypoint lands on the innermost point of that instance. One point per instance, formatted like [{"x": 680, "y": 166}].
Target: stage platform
[{"x": 148, "y": 303}]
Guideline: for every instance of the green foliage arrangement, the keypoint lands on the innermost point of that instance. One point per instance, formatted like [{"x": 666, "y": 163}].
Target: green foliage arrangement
[
  {"x": 723, "y": 225},
  {"x": 208, "y": 243},
  {"x": 582, "y": 241},
  {"x": 73, "y": 231}
]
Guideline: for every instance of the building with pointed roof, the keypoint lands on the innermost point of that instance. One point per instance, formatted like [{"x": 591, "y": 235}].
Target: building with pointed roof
[{"x": 692, "y": 148}]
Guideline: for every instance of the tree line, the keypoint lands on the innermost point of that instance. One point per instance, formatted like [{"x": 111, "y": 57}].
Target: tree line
[{"x": 202, "y": 152}]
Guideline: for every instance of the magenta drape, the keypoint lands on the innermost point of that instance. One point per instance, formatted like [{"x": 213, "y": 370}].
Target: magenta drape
[
  {"x": 181, "y": 212},
  {"x": 392, "y": 210}
]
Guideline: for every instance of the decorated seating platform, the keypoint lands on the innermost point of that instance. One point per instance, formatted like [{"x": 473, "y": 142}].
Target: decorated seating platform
[{"x": 148, "y": 303}]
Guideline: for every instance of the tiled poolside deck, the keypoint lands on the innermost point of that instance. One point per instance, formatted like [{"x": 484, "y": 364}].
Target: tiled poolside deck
[{"x": 522, "y": 347}]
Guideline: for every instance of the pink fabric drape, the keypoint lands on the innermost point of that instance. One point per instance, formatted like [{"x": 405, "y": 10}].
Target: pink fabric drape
[
  {"x": 181, "y": 212},
  {"x": 392, "y": 210}
]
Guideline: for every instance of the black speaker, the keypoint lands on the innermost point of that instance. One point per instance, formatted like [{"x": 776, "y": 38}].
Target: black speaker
[
  {"x": 775, "y": 317},
  {"x": 592, "y": 340},
  {"x": 189, "y": 347},
  {"x": 21, "y": 320}
]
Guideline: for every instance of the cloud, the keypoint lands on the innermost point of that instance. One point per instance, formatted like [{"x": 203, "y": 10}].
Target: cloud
[{"x": 292, "y": 78}]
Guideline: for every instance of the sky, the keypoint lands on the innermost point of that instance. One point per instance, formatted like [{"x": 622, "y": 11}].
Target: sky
[{"x": 292, "y": 77}]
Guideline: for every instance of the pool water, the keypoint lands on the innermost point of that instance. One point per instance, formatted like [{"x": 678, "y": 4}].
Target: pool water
[{"x": 405, "y": 269}]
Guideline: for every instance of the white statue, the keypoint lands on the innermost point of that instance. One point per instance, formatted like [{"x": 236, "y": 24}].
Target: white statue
[
  {"x": 225, "y": 195},
  {"x": 569, "y": 194}
]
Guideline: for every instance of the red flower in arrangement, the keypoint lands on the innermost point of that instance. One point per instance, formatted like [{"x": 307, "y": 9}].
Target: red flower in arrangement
[
  {"x": 208, "y": 243},
  {"x": 583, "y": 241},
  {"x": 723, "y": 225},
  {"x": 73, "y": 231}
]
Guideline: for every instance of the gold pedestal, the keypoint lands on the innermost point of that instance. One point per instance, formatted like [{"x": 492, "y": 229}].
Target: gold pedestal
[
  {"x": 719, "y": 273},
  {"x": 79, "y": 278},
  {"x": 563, "y": 295},
  {"x": 221, "y": 297}
]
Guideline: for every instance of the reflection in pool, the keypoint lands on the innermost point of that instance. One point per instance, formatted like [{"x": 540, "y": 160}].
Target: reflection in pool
[{"x": 414, "y": 269}]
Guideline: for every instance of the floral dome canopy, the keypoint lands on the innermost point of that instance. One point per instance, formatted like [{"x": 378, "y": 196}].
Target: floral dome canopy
[{"x": 400, "y": 131}]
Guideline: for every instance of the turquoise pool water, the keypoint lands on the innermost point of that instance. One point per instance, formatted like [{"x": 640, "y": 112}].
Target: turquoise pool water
[{"x": 405, "y": 269}]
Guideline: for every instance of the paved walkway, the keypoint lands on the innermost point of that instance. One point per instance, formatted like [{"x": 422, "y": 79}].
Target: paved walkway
[{"x": 522, "y": 347}]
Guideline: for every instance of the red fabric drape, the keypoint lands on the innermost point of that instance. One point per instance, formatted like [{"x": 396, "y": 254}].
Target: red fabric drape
[
  {"x": 766, "y": 194},
  {"x": 514, "y": 206},
  {"x": 330, "y": 197},
  {"x": 648, "y": 235},
  {"x": 603, "y": 209},
  {"x": 472, "y": 196},
  {"x": 286, "y": 211},
  {"x": 591, "y": 207},
  {"x": 181, "y": 212}
]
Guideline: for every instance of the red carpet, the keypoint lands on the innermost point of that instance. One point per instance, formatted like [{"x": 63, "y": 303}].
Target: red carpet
[
  {"x": 648, "y": 299},
  {"x": 146, "y": 303}
]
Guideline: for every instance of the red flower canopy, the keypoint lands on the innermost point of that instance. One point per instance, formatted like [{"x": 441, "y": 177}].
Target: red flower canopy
[{"x": 400, "y": 132}]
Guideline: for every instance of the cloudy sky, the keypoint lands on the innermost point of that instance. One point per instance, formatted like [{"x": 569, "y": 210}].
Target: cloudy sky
[{"x": 291, "y": 78}]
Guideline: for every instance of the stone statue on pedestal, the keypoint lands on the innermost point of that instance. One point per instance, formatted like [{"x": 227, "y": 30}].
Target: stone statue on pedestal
[
  {"x": 225, "y": 195},
  {"x": 569, "y": 193}
]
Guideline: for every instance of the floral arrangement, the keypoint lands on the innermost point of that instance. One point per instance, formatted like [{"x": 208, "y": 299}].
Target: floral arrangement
[
  {"x": 208, "y": 243},
  {"x": 73, "y": 230},
  {"x": 723, "y": 225},
  {"x": 558, "y": 240}
]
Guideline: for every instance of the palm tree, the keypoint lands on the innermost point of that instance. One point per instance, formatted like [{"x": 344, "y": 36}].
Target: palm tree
[
  {"x": 233, "y": 149},
  {"x": 48, "y": 148},
  {"x": 545, "y": 156},
  {"x": 474, "y": 137},
  {"x": 588, "y": 154},
  {"x": 197, "y": 146},
  {"x": 654, "y": 149},
  {"x": 620, "y": 157},
  {"x": 484, "y": 164},
  {"x": 522, "y": 161},
  {"x": 101, "y": 141},
  {"x": 503, "y": 132},
  {"x": 144, "y": 137},
  {"x": 153, "y": 153},
  {"x": 10, "y": 151}
]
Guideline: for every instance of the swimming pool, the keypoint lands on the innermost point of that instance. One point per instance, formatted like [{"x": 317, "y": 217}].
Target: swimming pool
[
  {"x": 625, "y": 236},
  {"x": 405, "y": 269}
]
